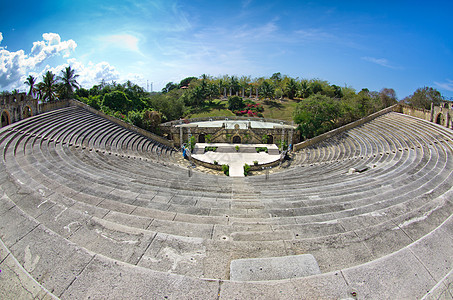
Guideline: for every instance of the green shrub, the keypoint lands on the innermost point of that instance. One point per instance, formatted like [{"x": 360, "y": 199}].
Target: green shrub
[
  {"x": 192, "y": 143},
  {"x": 261, "y": 149},
  {"x": 255, "y": 162},
  {"x": 213, "y": 149},
  {"x": 246, "y": 169},
  {"x": 237, "y": 148},
  {"x": 216, "y": 162},
  {"x": 226, "y": 170}
]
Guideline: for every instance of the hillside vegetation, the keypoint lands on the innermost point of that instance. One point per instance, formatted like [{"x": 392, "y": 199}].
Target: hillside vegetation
[{"x": 315, "y": 105}]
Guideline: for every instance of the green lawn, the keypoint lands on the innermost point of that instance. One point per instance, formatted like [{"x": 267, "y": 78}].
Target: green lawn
[{"x": 281, "y": 110}]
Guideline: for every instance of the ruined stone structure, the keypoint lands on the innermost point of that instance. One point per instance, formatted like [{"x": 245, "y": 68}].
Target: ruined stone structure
[
  {"x": 17, "y": 107},
  {"x": 441, "y": 114},
  {"x": 21, "y": 106},
  {"x": 233, "y": 130}
]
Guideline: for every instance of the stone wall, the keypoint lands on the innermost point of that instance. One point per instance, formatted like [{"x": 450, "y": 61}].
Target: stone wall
[
  {"x": 14, "y": 108},
  {"x": 416, "y": 112}
]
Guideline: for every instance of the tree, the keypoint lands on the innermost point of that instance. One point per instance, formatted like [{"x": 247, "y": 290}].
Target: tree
[
  {"x": 30, "y": 81},
  {"x": 186, "y": 81},
  {"x": 304, "y": 89},
  {"x": 276, "y": 78},
  {"x": 266, "y": 90},
  {"x": 291, "y": 88},
  {"x": 117, "y": 101},
  {"x": 235, "y": 103},
  {"x": 316, "y": 114},
  {"x": 69, "y": 80},
  {"x": 170, "y": 86},
  {"x": 387, "y": 97},
  {"x": 47, "y": 88},
  {"x": 423, "y": 97},
  {"x": 338, "y": 93},
  {"x": 363, "y": 100},
  {"x": 234, "y": 84}
]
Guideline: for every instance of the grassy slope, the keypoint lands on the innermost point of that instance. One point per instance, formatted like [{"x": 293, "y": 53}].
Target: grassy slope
[{"x": 281, "y": 110}]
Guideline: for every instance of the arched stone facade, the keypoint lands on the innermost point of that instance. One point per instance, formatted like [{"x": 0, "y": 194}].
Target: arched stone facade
[
  {"x": 247, "y": 133},
  {"x": 6, "y": 119},
  {"x": 17, "y": 107}
]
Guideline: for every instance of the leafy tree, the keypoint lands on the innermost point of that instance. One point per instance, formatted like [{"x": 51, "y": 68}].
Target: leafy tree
[
  {"x": 235, "y": 103},
  {"x": 363, "y": 100},
  {"x": 423, "y": 97},
  {"x": 117, "y": 101},
  {"x": 169, "y": 86},
  {"x": 186, "y": 81},
  {"x": 170, "y": 105},
  {"x": 316, "y": 114},
  {"x": 387, "y": 97},
  {"x": 338, "y": 93},
  {"x": 82, "y": 92},
  {"x": 30, "y": 81},
  {"x": 315, "y": 87},
  {"x": 69, "y": 80}
]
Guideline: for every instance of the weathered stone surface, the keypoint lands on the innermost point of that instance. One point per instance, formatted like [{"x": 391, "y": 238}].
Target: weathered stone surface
[
  {"x": 273, "y": 268},
  {"x": 107, "y": 279}
]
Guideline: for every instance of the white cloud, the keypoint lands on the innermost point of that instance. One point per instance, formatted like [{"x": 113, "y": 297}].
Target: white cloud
[
  {"x": 1, "y": 37},
  {"x": 89, "y": 74},
  {"x": 445, "y": 85},
  {"x": 15, "y": 66},
  {"x": 380, "y": 61}
]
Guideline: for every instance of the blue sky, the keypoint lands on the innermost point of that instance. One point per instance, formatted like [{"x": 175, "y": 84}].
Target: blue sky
[{"x": 402, "y": 45}]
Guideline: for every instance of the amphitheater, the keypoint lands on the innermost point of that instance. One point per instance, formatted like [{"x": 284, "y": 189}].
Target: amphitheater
[{"x": 92, "y": 210}]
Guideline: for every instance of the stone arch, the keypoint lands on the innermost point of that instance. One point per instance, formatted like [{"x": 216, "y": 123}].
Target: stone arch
[
  {"x": 6, "y": 120},
  {"x": 237, "y": 139},
  {"x": 440, "y": 119},
  {"x": 202, "y": 138},
  {"x": 27, "y": 112}
]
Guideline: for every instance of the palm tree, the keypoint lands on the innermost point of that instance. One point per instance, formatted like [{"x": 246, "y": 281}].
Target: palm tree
[
  {"x": 291, "y": 88},
  {"x": 69, "y": 81},
  {"x": 30, "y": 81},
  {"x": 266, "y": 90},
  {"x": 48, "y": 86}
]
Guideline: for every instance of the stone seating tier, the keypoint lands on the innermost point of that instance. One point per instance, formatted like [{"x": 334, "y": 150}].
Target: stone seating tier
[{"x": 111, "y": 202}]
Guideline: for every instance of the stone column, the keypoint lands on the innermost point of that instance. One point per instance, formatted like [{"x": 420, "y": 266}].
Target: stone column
[
  {"x": 290, "y": 137},
  {"x": 181, "y": 136},
  {"x": 283, "y": 138},
  {"x": 432, "y": 113}
]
